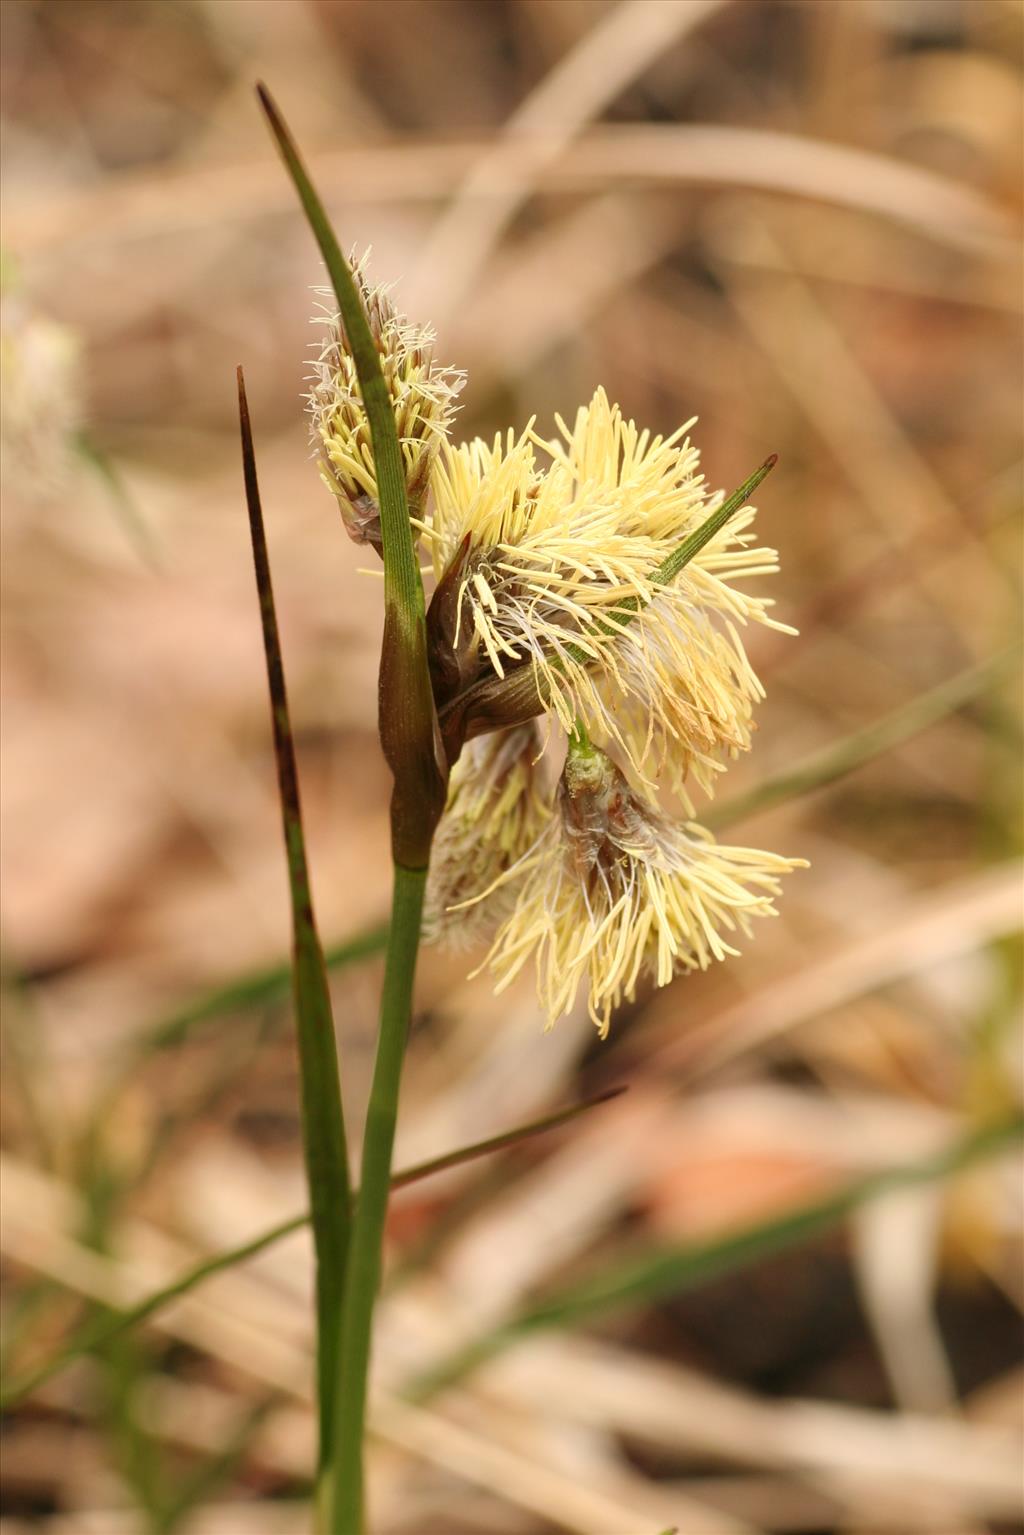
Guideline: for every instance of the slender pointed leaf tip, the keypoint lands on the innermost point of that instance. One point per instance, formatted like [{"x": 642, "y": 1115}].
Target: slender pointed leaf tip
[{"x": 407, "y": 718}]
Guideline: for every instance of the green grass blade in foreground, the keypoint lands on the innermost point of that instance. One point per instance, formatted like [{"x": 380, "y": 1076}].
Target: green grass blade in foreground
[
  {"x": 673, "y": 564},
  {"x": 101, "y": 1329},
  {"x": 690, "y": 547},
  {"x": 853, "y": 751},
  {"x": 674, "y": 1271},
  {"x": 323, "y": 1128}
]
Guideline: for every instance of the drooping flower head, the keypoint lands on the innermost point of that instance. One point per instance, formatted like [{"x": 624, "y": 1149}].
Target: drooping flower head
[
  {"x": 614, "y": 892},
  {"x": 422, "y": 394},
  {"x": 499, "y": 803}
]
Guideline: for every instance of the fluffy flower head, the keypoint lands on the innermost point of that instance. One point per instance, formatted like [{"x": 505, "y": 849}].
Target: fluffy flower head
[
  {"x": 422, "y": 394},
  {"x": 615, "y": 891},
  {"x": 499, "y": 804},
  {"x": 557, "y": 546}
]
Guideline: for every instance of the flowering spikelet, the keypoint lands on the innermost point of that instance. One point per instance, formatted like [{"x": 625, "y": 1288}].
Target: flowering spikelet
[
  {"x": 422, "y": 394},
  {"x": 677, "y": 690},
  {"x": 614, "y": 891},
  {"x": 499, "y": 803},
  {"x": 543, "y": 566},
  {"x": 680, "y": 699},
  {"x": 560, "y": 558}
]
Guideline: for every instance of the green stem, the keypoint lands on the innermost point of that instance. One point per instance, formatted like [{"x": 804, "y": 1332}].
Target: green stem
[{"x": 362, "y": 1278}]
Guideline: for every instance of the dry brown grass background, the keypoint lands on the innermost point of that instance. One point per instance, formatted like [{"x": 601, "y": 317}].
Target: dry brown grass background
[{"x": 796, "y": 220}]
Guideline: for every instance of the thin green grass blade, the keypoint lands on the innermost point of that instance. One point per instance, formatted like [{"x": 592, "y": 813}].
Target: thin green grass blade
[
  {"x": 103, "y": 1328},
  {"x": 135, "y": 1452},
  {"x": 123, "y": 1363},
  {"x": 406, "y": 719},
  {"x": 674, "y": 1271},
  {"x": 257, "y": 988},
  {"x": 323, "y": 1125},
  {"x": 401, "y": 570},
  {"x": 408, "y": 734},
  {"x": 127, "y": 513},
  {"x": 853, "y": 751},
  {"x": 216, "y": 1470},
  {"x": 691, "y": 547},
  {"x": 342, "y": 1507},
  {"x": 504, "y": 1140}
]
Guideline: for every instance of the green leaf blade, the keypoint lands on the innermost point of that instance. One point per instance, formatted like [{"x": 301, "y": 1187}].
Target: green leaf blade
[
  {"x": 101, "y": 1329},
  {"x": 844, "y": 756},
  {"x": 674, "y": 1271},
  {"x": 326, "y": 1152},
  {"x": 406, "y": 712}
]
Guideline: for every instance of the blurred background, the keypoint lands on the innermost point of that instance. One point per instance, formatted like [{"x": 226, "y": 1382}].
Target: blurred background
[{"x": 795, "y": 220}]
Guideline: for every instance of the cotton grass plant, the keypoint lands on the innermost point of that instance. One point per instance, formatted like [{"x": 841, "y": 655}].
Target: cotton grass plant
[
  {"x": 586, "y": 586},
  {"x": 578, "y": 674},
  {"x": 575, "y": 839},
  {"x": 580, "y": 669}
]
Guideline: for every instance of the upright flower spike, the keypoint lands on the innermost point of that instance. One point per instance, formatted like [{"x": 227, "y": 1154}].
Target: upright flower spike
[
  {"x": 499, "y": 804},
  {"x": 421, "y": 391},
  {"x": 615, "y": 891}
]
